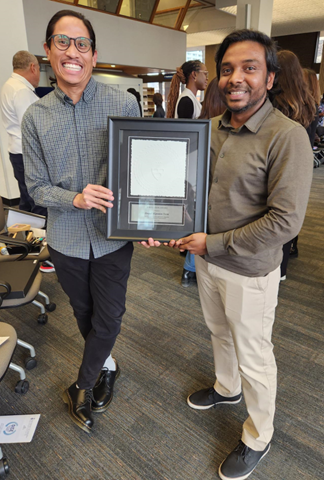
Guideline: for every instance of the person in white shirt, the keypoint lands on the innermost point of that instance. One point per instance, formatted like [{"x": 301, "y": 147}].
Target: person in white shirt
[{"x": 17, "y": 94}]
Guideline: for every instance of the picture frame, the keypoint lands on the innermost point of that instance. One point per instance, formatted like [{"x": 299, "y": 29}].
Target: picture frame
[{"x": 158, "y": 171}]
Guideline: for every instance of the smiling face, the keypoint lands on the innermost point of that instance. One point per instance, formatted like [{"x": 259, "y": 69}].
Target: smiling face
[
  {"x": 72, "y": 69},
  {"x": 244, "y": 80}
]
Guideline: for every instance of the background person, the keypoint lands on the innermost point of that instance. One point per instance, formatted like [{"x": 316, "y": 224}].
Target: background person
[
  {"x": 158, "y": 100},
  {"x": 213, "y": 104},
  {"x": 17, "y": 94},
  {"x": 293, "y": 99},
  {"x": 194, "y": 75},
  {"x": 65, "y": 146}
]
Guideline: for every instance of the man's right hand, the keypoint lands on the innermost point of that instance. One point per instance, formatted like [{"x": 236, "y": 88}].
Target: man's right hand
[{"x": 94, "y": 196}]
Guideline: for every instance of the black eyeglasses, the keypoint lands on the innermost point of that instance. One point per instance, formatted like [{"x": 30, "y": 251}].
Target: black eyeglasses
[{"x": 62, "y": 42}]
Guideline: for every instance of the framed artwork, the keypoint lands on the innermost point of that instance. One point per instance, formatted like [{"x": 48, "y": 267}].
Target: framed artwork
[{"x": 158, "y": 171}]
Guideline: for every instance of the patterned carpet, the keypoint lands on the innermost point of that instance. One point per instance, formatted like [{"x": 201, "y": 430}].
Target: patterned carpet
[{"x": 164, "y": 352}]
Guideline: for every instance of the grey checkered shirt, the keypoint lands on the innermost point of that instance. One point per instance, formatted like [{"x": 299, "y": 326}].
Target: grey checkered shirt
[{"x": 65, "y": 147}]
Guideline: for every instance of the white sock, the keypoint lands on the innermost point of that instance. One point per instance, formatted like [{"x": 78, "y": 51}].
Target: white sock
[{"x": 110, "y": 364}]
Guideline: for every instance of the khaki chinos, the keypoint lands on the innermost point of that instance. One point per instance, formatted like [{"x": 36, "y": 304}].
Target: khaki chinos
[{"x": 239, "y": 312}]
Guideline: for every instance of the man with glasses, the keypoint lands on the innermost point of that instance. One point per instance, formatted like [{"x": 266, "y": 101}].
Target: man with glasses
[
  {"x": 65, "y": 144},
  {"x": 17, "y": 94}
]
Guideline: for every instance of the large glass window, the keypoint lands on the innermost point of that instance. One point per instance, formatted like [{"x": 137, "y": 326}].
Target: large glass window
[
  {"x": 140, "y": 9},
  {"x": 168, "y": 13},
  {"x": 109, "y": 6}
]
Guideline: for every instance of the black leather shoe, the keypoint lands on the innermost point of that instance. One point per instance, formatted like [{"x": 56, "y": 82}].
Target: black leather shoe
[
  {"x": 188, "y": 278},
  {"x": 79, "y": 403},
  {"x": 103, "y": 389},
  {"x": 241, "y": 462},
  {"x": 208, "y": 398}
]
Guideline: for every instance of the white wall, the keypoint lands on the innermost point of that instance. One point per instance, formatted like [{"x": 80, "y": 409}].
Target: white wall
[
  {"x": 13, "y": 38},
  {"x": 120, "y": 40}
]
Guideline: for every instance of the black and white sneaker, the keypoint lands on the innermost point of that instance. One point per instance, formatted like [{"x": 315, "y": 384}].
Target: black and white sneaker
[
  {"x": 241, "y": 462},
  {"x": 208, "y": 398}
]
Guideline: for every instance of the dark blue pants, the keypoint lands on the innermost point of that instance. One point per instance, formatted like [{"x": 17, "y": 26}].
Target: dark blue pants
[
  {"x": 26, "y": 202},
  {"x": 97, "y": 292}
]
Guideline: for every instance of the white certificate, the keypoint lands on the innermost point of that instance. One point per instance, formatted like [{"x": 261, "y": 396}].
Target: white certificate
[
  {"x": 158, "y": 167},
  {"x": 18, "y": 428}
]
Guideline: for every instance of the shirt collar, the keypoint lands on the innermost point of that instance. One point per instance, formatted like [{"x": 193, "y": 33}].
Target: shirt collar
[
  {"x": 253, "y": 123},
  {"x": 87, "y": 94},
  {"x": 23, "y": 80}
]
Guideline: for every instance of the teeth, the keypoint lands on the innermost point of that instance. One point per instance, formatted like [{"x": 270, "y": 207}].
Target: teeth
[
  {"x": 72, "y": 66},
  {"x": 236, "y": 93}
]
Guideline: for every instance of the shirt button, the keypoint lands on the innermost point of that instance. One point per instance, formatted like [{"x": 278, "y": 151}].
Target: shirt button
[
  {"x": 221, "y": 155},
  {"x": 216, "y": 179}
]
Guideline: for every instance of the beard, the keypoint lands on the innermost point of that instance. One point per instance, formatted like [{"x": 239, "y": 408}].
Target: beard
[{"x": 252, "y": 103}]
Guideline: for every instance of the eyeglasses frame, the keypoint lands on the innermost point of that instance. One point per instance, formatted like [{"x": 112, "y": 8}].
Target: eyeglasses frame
[{"x": 70, "y": 38}]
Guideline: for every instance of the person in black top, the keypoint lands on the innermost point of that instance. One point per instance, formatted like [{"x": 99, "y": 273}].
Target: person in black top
[{"x": 158, "y": 100}]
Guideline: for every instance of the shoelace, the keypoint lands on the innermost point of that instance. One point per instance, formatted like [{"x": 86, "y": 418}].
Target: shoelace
[
  {"x": 88, "y": 396},
  {"x": 242, "y": 449}
]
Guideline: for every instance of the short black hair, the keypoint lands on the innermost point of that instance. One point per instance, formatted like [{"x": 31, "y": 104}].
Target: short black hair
[
  {"x": 270, "y": 47},
  {"x": 70, "y": 13}
]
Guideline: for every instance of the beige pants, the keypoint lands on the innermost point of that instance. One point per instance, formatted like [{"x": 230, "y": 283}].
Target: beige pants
[{"x": 239, "y": 311}]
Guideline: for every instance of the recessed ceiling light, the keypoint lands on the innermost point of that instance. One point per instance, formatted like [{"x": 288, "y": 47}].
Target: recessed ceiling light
[
  {"x": 113, "y": 66},
  {"x": 44, "y": 58},
  {"x": 152, "y": 74}
]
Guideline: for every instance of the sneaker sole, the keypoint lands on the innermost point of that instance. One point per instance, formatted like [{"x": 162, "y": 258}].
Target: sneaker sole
[
  {"x": 206, "y": 407},
  {"x": 105, "y": 407},
  {"x": 244, "y": 476},
  {"x": 67, "y": 399}
]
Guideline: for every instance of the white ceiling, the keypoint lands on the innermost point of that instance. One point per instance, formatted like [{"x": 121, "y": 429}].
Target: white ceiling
[{"x": 289, "y": 17}]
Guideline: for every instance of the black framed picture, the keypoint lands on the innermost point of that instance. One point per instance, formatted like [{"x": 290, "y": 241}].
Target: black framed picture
[{"x": 158, "y": 172}]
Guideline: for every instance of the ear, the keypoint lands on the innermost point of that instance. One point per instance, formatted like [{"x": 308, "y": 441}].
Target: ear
[
  {"x": 47, "y": 50},
  {"x": 270, "y": 80},
  {"x": 94, "y": 58}
]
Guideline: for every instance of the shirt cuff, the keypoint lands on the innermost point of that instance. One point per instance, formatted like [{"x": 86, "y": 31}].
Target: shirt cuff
[
  {"x": 215, "y": 245},
  {"x": 67, "y": 200}
]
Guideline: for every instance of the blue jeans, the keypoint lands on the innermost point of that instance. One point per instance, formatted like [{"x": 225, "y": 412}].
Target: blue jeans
[{"x": 190, "y": 262}]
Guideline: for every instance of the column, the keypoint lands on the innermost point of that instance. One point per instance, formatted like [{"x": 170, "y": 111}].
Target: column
[{"x": 255, "y": 14}]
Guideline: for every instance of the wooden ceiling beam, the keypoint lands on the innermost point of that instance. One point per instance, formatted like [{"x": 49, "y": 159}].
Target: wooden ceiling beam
[{"x": 181, "y": 15}]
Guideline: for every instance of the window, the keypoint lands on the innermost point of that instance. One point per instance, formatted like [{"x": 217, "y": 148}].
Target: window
[
  {"x": 319, "y": 50},
  {"x": 196, "y": 54}
]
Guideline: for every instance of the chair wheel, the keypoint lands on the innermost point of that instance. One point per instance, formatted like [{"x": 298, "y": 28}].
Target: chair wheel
[
  {"x": 42, "y": 318},
  {"x": 22, "y": 386},
  {"x": 50, "y": 307},
  {"x": 30, "y": 363},
  {"x": 4, "y": 467}
]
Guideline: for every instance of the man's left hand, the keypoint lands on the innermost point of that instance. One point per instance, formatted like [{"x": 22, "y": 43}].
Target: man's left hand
[{"x": 195, "y": 244}]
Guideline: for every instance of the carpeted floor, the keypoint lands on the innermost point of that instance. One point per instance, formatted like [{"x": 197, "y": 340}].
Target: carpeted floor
[{"x": 164, "y": 352}]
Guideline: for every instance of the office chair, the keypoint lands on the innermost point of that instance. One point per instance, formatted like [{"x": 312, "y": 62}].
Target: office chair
[
  {"x": 26, "y": 217},
  {"x": 6, "y": 352},
  {"x": 9, "y": 346}
]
